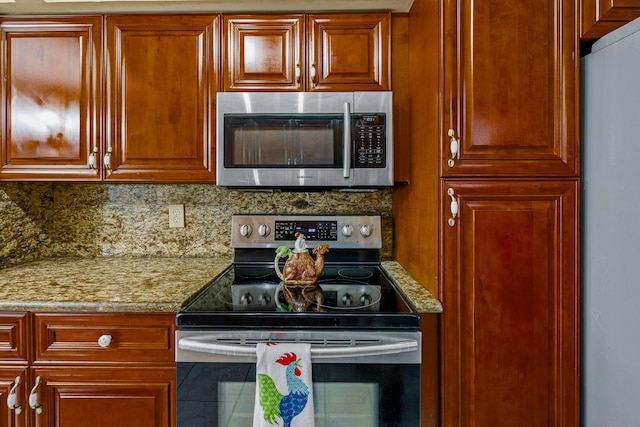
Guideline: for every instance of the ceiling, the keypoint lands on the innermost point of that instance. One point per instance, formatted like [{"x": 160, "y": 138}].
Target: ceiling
[{"x": 42, "y": 7}]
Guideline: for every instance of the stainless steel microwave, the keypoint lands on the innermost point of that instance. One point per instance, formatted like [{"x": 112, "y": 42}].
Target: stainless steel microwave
[{"x": 305, "y": 139}]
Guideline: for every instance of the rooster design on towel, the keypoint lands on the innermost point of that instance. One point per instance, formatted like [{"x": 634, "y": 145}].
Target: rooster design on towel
[{"x": 274, "y": 404}]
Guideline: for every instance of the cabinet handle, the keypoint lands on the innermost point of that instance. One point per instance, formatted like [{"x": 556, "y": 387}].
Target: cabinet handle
[
  {"x": 298, "y": 75},
  {"x": 313, "y": 75},
  {"x": 92, "y": 161},
  {"x": 107, "y": 161},
  {"x": 12, "y": 398},
  {"x": 104, "y": 340},
  {"x": 33, "y": 396},
  {"x": 455, "y": 148},
  {"x": 454, "y": 207}
]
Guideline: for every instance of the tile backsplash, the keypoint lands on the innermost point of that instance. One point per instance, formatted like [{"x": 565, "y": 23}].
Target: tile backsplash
[{"x": 40, "y": 220}]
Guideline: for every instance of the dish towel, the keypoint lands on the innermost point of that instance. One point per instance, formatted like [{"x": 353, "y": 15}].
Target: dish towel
[{"x": 283, "y": 385}]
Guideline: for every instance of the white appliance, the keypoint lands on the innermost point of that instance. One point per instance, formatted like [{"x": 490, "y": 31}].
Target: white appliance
[{"x": 610, "y": 230}]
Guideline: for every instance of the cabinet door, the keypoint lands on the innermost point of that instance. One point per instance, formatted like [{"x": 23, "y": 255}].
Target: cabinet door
[
  {"x": 600, "y": 17},
  {"x": 13, "y": 380},
  {"x": 349, "y": 52},
  {"x": 510, "y": 291},
  {"x": 510, "y": 77},
  {"x": 161, "y": 86},
  {"x": 50, "y": 108},
  {"x": 105, "y": 397},
  {"x": 263, "y": 52}
]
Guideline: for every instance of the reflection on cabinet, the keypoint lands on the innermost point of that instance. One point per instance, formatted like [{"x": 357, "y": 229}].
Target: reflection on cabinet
[
  {"x": 84, "y": 363},
  {"x": 510, "y": 88},
  {"x": 161, "y": 82},
  {"x": 51, "y": 95},
  {"x": 316, "y": 52},
  {"x": 510, "y": 292},
  {"x": 601, "y": 17}
]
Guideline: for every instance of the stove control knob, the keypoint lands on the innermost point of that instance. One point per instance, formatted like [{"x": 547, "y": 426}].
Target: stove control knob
[
  {"x": 365, "y": 300},
  {"x": 366, "y": 230},
  {"x": 245, "y": 230},
  {"x": 265, "y": 299},
  {"x": 347, "y": 230},
  {"x": 347, "y": 300},
  {"x": 264, "y": 230},
  {"x": 246, "y": 299}
]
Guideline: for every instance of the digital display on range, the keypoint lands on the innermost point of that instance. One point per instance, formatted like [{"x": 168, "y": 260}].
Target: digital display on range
[{"x": 312, "y": 230}]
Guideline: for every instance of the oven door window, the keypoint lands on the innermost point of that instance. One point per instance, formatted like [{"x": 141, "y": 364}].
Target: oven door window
[
  {"x": 345, "y": 395},
  {"x": 276, "y": 141}
]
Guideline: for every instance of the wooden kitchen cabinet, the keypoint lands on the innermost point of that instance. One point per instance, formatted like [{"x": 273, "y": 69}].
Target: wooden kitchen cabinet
[
  {"x": 50, "y": 113},
  {"x": 14, "y": 361},
  {"x": 510, "y": 89},
  {"x": 600, "y": 17},
  {"x": 314, "y": 52},
  {"x": 504, "y": 79},
  {"x": 13, "y": 380},
  {"x": 124, "y": 397},
  {"x": 510, "y": 296},
  {"x": 121, "y": 366},
  {"x": 161, "y": 81}
]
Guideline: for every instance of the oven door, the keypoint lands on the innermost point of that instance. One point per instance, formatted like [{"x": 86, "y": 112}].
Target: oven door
[{"x": 360, "y": 379}]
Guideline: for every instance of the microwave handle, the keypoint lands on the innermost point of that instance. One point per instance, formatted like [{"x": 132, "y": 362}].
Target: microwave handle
[{"x": 346, "y": 142}]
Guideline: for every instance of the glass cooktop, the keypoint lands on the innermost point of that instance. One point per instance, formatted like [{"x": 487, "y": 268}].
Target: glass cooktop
[{"x": 251, "y": 296}]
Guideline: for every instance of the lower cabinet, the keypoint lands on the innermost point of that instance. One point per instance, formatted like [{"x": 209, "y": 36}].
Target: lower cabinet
[
  {"x": 510, "y": 335},
  {"x": 90, "y": 369},
  {"x": 104, "y": 396}
]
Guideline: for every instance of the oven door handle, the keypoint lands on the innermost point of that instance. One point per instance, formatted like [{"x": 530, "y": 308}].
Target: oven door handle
[{"x": 317, "y": 353}]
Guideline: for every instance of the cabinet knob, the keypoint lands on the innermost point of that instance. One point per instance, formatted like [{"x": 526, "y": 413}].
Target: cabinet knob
[
  {"x": 107, "y": 161},
  {"x": 34, "y": 398},
  {"x": 104, "y": 340},
  {"x": 12, "y": 398},
  {"x": 92, "y": 161},
  {"x": 313, "y": 75},
  {"x": 454, "y": 147},
  {"x": 453, "y": 207},
  {"x": 298, "y": 73}
]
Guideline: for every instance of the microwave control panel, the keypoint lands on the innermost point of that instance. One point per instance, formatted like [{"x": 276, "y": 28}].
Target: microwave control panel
[{"x": 369, "y": 141}]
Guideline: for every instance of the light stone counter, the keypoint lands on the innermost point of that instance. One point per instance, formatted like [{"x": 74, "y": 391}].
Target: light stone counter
[
  {"x": 423, "y": 300},
  {"x": 126, "y": 284},
  {"x": 144, "y": 284}
]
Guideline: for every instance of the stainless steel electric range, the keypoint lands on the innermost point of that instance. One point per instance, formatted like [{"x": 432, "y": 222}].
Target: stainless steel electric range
[{"x": 366, "y": 344}]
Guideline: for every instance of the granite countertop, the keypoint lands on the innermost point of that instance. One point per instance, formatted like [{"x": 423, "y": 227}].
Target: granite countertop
[{"x": 130, "y": 284}]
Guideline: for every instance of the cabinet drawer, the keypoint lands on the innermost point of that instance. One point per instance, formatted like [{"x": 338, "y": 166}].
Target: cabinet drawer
[
  {"x": 104, "y": 337},
  {"x": 13, "y": 337}
]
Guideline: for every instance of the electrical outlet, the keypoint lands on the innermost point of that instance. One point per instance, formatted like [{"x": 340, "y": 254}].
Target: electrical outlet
[{"x": 176, "y": 216}]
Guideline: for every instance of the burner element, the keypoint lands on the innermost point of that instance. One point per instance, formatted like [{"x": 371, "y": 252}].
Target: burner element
[{"x": 360, "y": 273}]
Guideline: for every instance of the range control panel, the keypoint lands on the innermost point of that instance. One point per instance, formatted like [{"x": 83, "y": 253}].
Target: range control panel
[{"x": 339, "y": 231}]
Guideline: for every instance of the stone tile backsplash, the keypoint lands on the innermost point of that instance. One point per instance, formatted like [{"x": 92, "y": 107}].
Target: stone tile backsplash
[{"x": 39, "y": 220}]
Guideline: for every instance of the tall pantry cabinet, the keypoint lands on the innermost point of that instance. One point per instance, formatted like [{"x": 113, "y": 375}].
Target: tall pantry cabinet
[
  {"x": 509, "y": 213},
  {"x": 495, "y": 101}
]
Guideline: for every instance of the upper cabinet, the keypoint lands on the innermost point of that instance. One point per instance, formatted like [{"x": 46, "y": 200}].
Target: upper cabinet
[
  {"x": 315, "y": 52},
  {"x": 51, "y": 95},
  {"x": 510, "y": 82},
  {"x": 600, "y": 17},
  {"x": 161, "y": 80}
]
